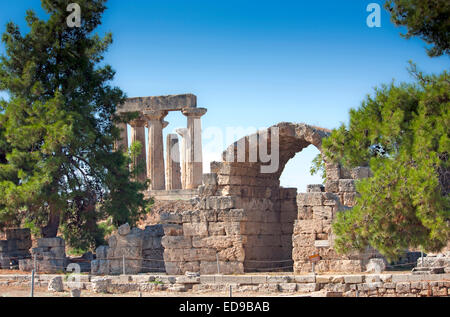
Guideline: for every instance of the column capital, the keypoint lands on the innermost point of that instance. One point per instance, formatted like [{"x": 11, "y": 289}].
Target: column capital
[
  {"x": 138, "y": 122},
  {"x": 194, "y": 112},
  {"x": 164, "y": 124},
  {"x": 152, "y": 115}
]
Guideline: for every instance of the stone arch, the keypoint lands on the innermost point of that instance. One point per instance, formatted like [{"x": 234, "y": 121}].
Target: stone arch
[
  {"x": 241, "y": 175},
  {"x": 270, "y": 210}
]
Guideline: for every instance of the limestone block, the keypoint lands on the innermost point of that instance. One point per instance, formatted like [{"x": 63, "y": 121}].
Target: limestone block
[
  {"x": 305, "y": 279},
  {"x": 124, "y": 229},
  {"x": 154, "y": 230},
  {"x": 332, "y": 186},
  {"x": 177, "y": 268},
  {"x": 216, "y": 242},
  {"x": 195, "y": 229},
  {"x": 216, "y": 228},
  {"x": 58, "y": 252},
  {"x": 322, "y": 212},
  {"x": 403, "y": 287},
  {"x": 376, "y": 265},
  {"x": 347, "y": 185},
  {"x": 349, "y": 199},
  {"x": 176, "y": 242},
  {"x": 220, "y": 202},
  {"x": 232, "y": 215},
  {"x": 309, "y": 199},
  {"x": 307, "y": 226},
  {"x": 234, "y": 253},
  {"x": 360, "y": 172},
  {"x": 170, "y": 217},
  {"x": 333, "y": 172},
  {"x": 224, "y": 267},
  {"x": 101, "y": 285},
  {"x": 76, "y": 292},
  {"x": 345, "y": 266},
  {"x": 20, "y": 234},
  {"x": 287, "y": 287},
  {"x": 209, "y": 179},
  {"x": 172, "y": 230},
  {"x": 353, "y": 279},
  {"x": 56, "y": 284},
  {"x": 307, "y": 287},
  {"x": 232, "y": 228},
  {"x": 50, "y": 242},
  {"x": 25, "y": 265},
  {"x": 304, "y": 213},
  {"x": 301, "y": 240}
]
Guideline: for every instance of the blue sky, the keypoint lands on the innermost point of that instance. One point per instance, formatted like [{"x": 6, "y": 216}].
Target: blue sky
[{"x": 253, "y": 63}]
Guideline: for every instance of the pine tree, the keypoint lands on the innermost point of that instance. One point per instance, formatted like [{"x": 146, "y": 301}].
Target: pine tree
[
  {"x": 403, "y": 133},
  {"x": 57, "y": 131}
]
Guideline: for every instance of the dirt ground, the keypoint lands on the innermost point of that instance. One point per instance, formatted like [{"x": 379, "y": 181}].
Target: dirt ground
[{"x": 24, "y": 291}]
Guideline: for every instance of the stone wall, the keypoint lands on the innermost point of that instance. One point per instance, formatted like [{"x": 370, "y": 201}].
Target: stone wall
[
  {"x": 140, "y": 250},
  {"x": 48, "y": 257},
  {"x": 16, "y": 247},
  {"x": 206, "y": 240}
]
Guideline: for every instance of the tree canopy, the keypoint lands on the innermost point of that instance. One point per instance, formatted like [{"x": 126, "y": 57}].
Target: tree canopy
[
  {"x": 402, "y": 133},
  {"x": 57, "y": 160},
  {"x": 427, "y": 19}
]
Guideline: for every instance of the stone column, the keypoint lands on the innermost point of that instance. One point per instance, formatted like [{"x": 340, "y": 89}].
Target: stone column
[
  {"x": 194, "y": 156},
  {"x": 138, "y": 134},
  {"x": 122, "y": 142},
  {"x": 173, "y": 175},
  {"x": 183, "y": 132},
  {"x": 155, "y": 162}
]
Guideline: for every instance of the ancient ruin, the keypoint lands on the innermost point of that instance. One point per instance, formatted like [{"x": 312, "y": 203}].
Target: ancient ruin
[{"x": 238, "y": 218}]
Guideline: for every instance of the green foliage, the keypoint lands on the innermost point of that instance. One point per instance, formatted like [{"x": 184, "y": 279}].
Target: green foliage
[
  {"x": 57, "y": 161},
  {"x": 403, "y": 133},
  {"x": 428, "y": 19},
  {"x": 318, "y": 165}
]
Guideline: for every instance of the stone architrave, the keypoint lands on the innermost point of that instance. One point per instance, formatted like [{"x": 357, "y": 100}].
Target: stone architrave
[
  {"x": 194, "y": 156},
  {"x": 138, "y": 134},
  {"x": 183, "y": 132},
  {"x": 122, "y": 142},
  {"x": 173, "y": 175},
  {"x": 155, "y": 162}
]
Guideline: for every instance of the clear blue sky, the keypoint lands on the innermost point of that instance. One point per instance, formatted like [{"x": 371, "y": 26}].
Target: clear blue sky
[{"x": 253, "y": 63}]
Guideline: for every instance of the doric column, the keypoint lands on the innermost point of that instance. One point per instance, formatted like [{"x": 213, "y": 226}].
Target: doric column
[
  {"x": 122, "y": 142},
  {"x": 155, "y": 162},
  {"x": 194, "y": 156},
  {"x": 138, "y": 134},
  {"x": 183, "y": 132},
  {"x": 173, "y": 175}
]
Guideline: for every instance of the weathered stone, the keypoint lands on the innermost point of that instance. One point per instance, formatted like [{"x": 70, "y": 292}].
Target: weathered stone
[
  {"x": 307, "y": 287},
  {"x": 101, "y": 285},
  {"x": 195, "y": 229},
  {"x": 56, "y": 284},
  {"x": 176, "y": 242},
  {"x": 76, "y": 292},
  {"x": 347, "y": 185},
  {"x": 124, "y": 229},
  {"x": 376, "y": 265},
  {"x": 50, "y": 242}
]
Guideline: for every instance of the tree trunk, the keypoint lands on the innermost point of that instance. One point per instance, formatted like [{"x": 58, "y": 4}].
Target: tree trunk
[{"x": 51, "y": 229}]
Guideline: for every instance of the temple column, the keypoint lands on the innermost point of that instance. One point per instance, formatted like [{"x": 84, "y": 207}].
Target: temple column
[
  {"x": 194, "y": 156},
  {"x": 138, "y": 134},
  {"x": 155, "y": 162},
  {"x": 173, "y": 175},
  {"x": 183, "y": 132},
  {"x": 122, "y": 142}
]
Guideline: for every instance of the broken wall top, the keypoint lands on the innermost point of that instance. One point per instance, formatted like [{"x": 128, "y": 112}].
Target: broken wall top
[{"x": 166, "y": 103}]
